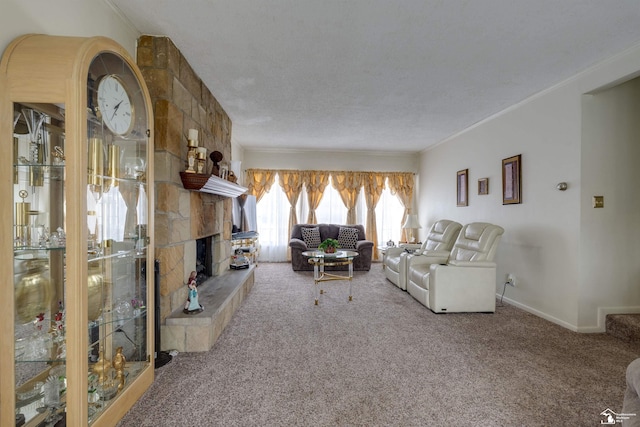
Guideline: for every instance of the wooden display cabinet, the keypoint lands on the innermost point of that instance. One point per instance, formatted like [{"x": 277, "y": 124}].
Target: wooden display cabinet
[{"x": 76, "y": 180}]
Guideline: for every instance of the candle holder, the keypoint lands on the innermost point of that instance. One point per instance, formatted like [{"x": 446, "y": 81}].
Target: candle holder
[
  {"x": 23, "y": 234},
  {"x": 192, "y": 151},
  {"x": 224, "y": 170},
  {"x": 202, "y": 157}
]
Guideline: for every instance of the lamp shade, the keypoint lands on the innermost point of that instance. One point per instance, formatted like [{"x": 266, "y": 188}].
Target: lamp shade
[{"x": 411, "y": 222}]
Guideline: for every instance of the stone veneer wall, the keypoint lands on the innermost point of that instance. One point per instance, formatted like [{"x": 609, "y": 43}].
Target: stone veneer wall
[{"x": 181, "y": 102}]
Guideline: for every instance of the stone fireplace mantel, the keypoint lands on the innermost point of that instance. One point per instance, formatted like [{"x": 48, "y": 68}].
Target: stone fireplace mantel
[{"x": 211, "y": 184}]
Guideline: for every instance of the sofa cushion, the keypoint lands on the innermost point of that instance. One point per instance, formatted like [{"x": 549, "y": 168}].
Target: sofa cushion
[
  {"x": 347, "y": 237},
  {"x": 311, "y": 236}
]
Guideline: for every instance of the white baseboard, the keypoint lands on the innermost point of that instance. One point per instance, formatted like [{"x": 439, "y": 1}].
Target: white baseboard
[
  {"x": 602, "y": 317},
  {"x": 540, "y": 314},
  {"x": 599, "y": 328}
]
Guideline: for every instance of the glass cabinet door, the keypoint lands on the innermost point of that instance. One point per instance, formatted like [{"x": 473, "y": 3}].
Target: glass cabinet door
[
  {"x": 116, "y": 253},
  {"x": 117, "y": 212},
  {"x": 39, "y": 239}
]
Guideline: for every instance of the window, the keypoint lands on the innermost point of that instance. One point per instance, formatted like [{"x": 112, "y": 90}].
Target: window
[
  {"x": 389, "y": 213},
  {"x": 273, "y": 221},
  {"x": 273, "y": 218}
]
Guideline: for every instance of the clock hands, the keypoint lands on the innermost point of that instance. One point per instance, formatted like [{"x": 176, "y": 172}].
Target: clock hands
[{"x": 115, "y": 109}]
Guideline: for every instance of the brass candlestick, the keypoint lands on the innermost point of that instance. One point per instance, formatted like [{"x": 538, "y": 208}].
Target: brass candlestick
[
  {"x": 192, "y": 151},
  {"x": 202, "y": 157},
  {"x": 192, "y": 156},
  {"x": 23, "y": 234}
]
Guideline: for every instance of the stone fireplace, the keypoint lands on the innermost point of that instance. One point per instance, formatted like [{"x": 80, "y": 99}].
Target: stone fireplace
[
  {"x": 182, "y": 217},
  {"x": 204, "y": 256},
  {"x": 209, "y": 262}
]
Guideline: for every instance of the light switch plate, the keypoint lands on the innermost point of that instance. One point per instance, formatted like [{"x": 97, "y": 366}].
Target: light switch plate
[{"x": 598, "y": 201}]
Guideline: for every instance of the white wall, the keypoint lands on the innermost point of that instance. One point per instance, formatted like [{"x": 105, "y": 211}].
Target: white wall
[
  {"x": 546, "y": 245},
  {"x": 330, "y": 160},
  {"x": 610, "y": 249},
  {"x": 66, "y": 18}
]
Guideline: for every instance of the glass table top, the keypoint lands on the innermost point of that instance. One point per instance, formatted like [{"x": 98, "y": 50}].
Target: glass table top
[{"x": 336, "y": 255}]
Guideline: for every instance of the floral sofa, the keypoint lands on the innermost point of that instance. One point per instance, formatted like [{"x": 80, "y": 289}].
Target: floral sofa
[{"x": 306, "y": 237}]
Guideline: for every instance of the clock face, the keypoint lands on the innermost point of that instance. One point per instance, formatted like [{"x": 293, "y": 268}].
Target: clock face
[{"x": 114, "y": 103}]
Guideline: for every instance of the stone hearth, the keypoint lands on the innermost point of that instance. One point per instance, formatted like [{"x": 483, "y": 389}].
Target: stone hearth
[{"x": 220, "y": 296}]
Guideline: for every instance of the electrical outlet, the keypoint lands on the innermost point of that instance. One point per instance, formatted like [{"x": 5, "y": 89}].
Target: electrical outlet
[{"x": 511, "y": 280}]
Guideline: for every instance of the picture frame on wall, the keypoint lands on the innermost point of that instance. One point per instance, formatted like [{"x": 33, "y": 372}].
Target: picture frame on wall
[
  {"x": 511, "y": 180},
  {"x": 462, "y": 184},
  {"x": 483, "y": 186}
]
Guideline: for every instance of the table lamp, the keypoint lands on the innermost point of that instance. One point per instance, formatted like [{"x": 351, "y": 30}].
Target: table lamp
[{"x": 410, "y": 224}]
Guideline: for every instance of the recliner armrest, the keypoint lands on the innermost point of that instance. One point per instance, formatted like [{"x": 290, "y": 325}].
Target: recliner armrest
[
  {"x": 437, "y": 254},
  {"x": 427, "y": 259},
  {"x": 298, "y": 244},
  {"x": 479, "y": 264},
  {"x": 394, "y": 252},
  {"x": 410, "y": 246},
  {"x": 458, "y": 288}
]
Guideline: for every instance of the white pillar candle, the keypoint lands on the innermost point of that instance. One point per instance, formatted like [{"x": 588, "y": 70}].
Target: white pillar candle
[{"x": 193, "y": 134}]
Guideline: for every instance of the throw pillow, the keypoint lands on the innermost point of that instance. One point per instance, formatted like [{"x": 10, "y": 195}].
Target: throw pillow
[
  {"x": 311, "y": 236},
  {"x": 347, "y": 237}
]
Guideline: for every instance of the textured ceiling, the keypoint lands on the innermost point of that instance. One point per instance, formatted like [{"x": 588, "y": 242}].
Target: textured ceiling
[{"x": 383, "y": 75}]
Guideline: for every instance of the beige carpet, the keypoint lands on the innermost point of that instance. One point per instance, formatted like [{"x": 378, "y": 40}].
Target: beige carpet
[{"x": 383, "y": 360}]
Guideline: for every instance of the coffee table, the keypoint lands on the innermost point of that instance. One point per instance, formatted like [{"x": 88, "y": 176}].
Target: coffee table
[{"x": 320, "y": 260}]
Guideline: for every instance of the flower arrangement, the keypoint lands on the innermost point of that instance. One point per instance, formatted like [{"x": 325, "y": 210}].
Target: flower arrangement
[
  {"x": 329, "y": 246},
  {"x": 137, "y": 303}
]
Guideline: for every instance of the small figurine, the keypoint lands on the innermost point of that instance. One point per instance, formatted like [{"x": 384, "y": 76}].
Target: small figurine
[
  {"x": 192, "y": 306},
  {"x": 119, "y": 362},
  {"x": 239, "y": 260},
  {"x": 216, "y": 157},
  {"x": 101, "y": 367}
]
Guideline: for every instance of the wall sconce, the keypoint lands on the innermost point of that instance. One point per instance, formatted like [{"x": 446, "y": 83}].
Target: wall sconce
[{"x": 562, "y": 186}]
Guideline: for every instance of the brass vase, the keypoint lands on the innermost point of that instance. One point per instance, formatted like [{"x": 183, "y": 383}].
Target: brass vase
[
  {"x": 33, "y": 291},
  {"x": 96, "y": 291}
]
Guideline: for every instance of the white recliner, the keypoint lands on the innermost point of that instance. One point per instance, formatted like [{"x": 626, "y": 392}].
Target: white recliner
[
  {"x": 467, "y": 282},
  {"x": 436, "y": 248}
]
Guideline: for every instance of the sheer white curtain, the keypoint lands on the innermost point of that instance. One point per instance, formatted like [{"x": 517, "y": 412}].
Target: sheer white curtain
[
  {"x": 273, "y": 225},
  {"x": 273, "y": 217},
  {"x": 389, "y": 213}
]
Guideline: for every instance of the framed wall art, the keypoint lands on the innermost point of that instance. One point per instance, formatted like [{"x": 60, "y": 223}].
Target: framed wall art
[
  {"x": 462, "y": 186},
  {"x": 483, "y": 186},
  {"x": 511, "y": 180}
]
